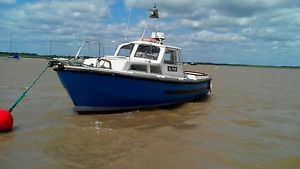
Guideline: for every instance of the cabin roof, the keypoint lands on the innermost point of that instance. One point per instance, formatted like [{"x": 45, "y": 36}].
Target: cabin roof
[{"x": 154, "y": 44}]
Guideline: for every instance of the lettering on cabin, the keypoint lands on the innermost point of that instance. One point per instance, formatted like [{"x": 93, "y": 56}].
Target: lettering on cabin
[{"x": 172, "y": 69}]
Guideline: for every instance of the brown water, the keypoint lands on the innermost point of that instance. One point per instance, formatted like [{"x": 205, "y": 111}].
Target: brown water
[{"x": 251, "y": 120}]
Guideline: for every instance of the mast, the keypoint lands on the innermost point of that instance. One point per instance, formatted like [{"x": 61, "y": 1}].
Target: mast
[{"x": 10, "y": 43}]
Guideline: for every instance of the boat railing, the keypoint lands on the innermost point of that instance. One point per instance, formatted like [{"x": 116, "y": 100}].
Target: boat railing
[
  {"x": 75, "y": 62},
  {"x": 88, "y": 41}
]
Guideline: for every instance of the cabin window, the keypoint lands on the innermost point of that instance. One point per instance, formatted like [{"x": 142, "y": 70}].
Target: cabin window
[
  {"x": 155, "y": 69},
  {"x": 147, "y": 52},
  {"x": 179, "y": 56},
  {"x": 170, "y": 56},
  {"x": 136, "y": 67},
  {"x": 125, "y": 50}
]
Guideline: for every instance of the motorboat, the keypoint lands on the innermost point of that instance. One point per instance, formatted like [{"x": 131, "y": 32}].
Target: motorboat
[{"x": 140, "y": 74}]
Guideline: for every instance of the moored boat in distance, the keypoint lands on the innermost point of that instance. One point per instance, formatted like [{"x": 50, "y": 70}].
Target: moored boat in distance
[
  {"x": 15, "y": 56},
  {"x": 141, "y": 74}
]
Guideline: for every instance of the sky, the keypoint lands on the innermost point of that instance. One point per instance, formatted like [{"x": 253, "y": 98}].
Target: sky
[{"x": 261, "y": 32}]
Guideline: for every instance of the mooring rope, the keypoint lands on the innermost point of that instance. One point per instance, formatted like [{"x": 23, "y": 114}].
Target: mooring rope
[{"x": 24, "y": 93}]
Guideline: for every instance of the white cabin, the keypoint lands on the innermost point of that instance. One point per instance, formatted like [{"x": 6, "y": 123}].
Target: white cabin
[{"x": 149, "y": 56}]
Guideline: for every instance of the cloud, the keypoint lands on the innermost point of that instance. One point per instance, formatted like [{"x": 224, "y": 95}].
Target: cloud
[
  {"x": 62, "y": 18},
  {"x": 257, "y": 27},
  {"x": 237, "y": 8},
  {"x": 219, "y": 13},
  {"x": 212, "y": 20},
  {"x": 7, "y": 1},
  {"x": 207, "y": 36}
]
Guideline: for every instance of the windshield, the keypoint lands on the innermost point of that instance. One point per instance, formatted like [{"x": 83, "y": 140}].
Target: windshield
[
  {"x": 148, "y": 52},
  {"x": 125, "y": 50}
]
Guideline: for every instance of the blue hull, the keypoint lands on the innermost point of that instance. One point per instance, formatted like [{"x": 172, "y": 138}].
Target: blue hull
[{"x": 92, "y": 91}]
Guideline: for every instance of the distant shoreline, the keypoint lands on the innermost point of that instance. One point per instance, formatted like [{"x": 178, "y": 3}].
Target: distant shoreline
[
  {"x": 243, "y": 65},
  {"x": 35, "y": 55}
]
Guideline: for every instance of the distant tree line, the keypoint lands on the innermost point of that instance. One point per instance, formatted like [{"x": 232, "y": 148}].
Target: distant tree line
[{"x": 35, "y": 55}]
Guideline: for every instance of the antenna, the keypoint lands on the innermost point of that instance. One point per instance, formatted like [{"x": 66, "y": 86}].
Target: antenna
[
  {"x": 89, "y": 43},
  {"x": 50, "y": 48},
  {"x": 153, "y": 13},
  {"x": 77, "y": 54},
  {"x": 99, "y": 49},
  {"x": 128, "y": 20}
]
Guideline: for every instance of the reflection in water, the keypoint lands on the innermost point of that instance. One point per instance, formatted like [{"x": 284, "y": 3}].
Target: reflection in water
[
  {"x": 251, "y": 120},
  {"x": 122, "y": 138}
]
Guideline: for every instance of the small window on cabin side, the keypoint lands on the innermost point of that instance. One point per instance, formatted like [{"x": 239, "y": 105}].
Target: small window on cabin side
[
  {"x": 125, "y": 50},
  {"x": 147, "y": 52},
  {"x": 155, "y": 69},
  {"x": 179, "y": 56},
  {"x": 136, "y": 67},
  {"x": 170, "y": 56}
]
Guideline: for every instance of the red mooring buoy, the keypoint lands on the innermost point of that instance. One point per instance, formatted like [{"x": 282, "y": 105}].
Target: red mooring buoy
[{"x": 6, "y": 120}]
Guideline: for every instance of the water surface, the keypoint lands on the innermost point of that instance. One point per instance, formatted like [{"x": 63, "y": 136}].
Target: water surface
[{"x": 251, "y": 120}]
